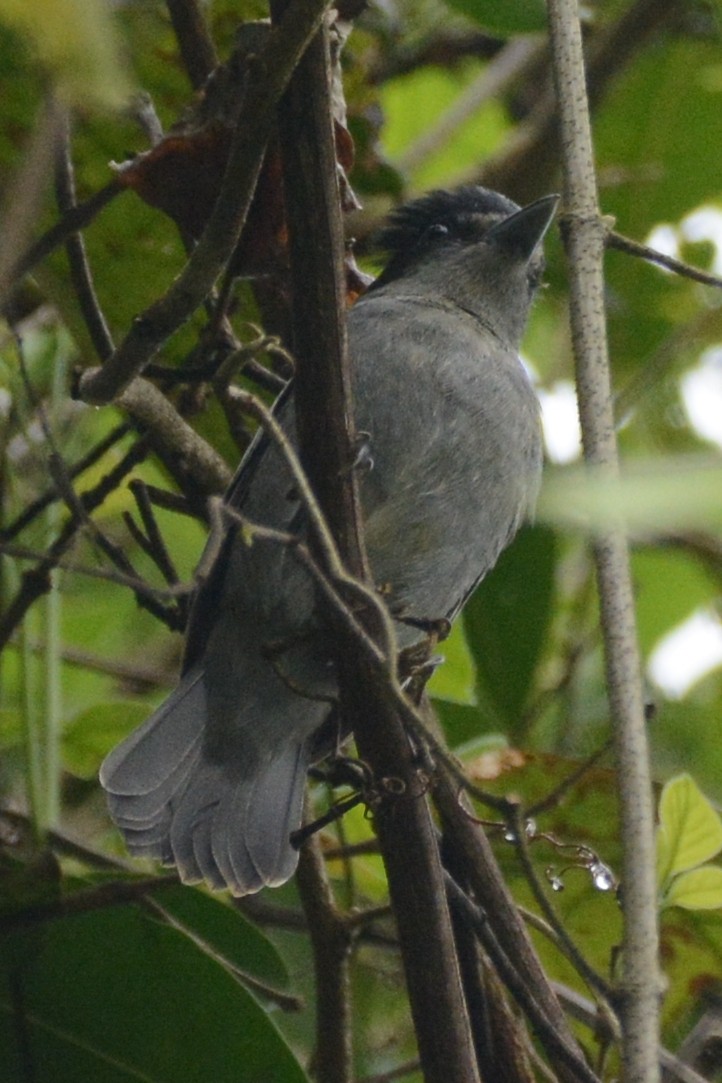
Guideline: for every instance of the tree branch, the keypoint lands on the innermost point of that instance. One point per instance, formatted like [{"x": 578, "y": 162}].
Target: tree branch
[
  {"x": 584, "y": 238},
  {"x": 331, "y": 943},
  {"x": 194, "y": 40},
  {"x": 268, "y": 79},
  {"x": 327, "y": 438},
  {"x": 180, "y": 447}
]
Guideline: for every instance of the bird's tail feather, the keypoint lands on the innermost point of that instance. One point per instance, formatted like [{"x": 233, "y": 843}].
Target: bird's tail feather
[{"x": 225, "y": 823}]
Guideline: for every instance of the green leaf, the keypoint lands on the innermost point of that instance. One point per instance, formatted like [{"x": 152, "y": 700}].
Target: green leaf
[
  {"x": 455, "y": 679},
  {"x": 698, "y": 889},
  {"x": 510, "y": 17},
  {"x": 224, "y": 930},
  {"x": 77, "y": 41},
  {"x": 660, "y": 129},
  {"x": 116, "y": 996},
  {"x": 690, "y": 831},
  {"x": 91, "y": 735},
  {"x": 457, "y": 150},
  {"x": 507, "y": 621},
  {"x": 669, "y": 585}
]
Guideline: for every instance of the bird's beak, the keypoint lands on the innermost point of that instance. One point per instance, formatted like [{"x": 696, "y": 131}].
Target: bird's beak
[{"x": 522, "y": 231}]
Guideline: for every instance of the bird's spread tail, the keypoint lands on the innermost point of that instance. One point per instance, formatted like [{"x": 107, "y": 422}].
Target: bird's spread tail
[{"x": 227, "y": 823}]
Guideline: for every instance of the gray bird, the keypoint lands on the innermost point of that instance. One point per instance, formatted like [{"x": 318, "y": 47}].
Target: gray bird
[{"x": 213, "y": 781}]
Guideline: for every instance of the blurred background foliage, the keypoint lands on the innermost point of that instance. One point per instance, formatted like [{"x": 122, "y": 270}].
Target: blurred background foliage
[{"x": 159, "y": 992}]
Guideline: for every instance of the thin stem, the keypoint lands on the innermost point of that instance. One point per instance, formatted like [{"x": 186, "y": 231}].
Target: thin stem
[
  {"x": 36, "y": 582},
  {"x": 50, "y": 495},
  {"x": 53, "y": 699},
  {"x": 75, "y": 219},
  {"x": 559, "y": 1047},
  {"x": 30, "y": 707},
  {"x": 80, "y": 274},
  {"x": 643, "y": 251}
]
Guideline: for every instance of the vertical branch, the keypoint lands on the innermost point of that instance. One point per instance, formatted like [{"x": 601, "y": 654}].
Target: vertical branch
[
  {"x": 584, "y": 237},
  {"x": 194, "y": 40},
  {"x": 323, "y": 382},
  {"x": 472, "y": 852},
  {"x": 331, "y": 944}
]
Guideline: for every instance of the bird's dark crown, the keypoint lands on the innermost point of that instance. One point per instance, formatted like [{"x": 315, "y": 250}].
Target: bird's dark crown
[
  {"x": 459, "y": 211},
  {"x": 461, "y": 216}
]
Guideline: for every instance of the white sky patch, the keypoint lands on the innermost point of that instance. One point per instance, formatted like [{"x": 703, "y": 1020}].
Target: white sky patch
[
  {"x": 664, "y": 239},
  {"x": 560, "y": 422},
  {"x": 694, "y": 648},
  {"x": 701, "y": 389},
  {"x": 704, "y": 224},
  {"x": 687, "y": 653}
]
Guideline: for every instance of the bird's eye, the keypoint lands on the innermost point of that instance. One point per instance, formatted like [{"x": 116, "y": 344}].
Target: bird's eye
[{"x": 437, "y": 230}]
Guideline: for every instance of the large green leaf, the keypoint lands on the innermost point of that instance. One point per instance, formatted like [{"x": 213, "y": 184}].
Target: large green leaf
[
  {"x": 117, "y": 996},
  {"x": 661, "y": 130},
  {"x": 223, "y": 929},
  {"x": 690, "y": 830},
  {"x": 507, "y": 620},
  {"x": 455, "y": 679}
]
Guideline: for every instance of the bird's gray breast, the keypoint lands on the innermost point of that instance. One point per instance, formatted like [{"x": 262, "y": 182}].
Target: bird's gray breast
[{"x": 454, "y": 438}]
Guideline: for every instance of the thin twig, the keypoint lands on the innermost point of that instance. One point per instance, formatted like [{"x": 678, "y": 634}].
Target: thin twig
[
  {"x": 564, "y": 940},
  {"x": 130, "y": 673},
  {"x": 80, "y": 274},
  {"x": 551, "y": 800},
  {"x": 71, "y": 222},
  {"x": 41, "y": 503},
  {"x": 36, "y": 582},
  {"x": 85, "y": 901},
  {"x": 285, "y": 1001},
  {"x": 556, "y": 1042},
  {"x": 507, "y": 66},
  {"x": 156, "y": 548},
  {"x": 137, "y": 585},
  {"x": 643, "y": 251}
]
